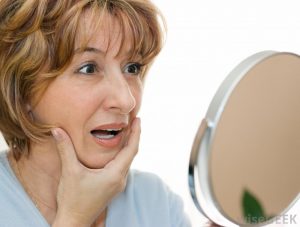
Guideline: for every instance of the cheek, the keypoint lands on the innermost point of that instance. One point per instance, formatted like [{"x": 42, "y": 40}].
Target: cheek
[
  {"x": 62, "y": 105},
  {"x": 137, "y": 92}
]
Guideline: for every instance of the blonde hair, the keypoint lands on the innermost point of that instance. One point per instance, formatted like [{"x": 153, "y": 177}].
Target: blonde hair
[{"x": 37, "y": 39}]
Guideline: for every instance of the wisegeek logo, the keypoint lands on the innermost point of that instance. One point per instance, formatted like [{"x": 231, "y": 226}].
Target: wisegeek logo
[{"x": 285, "y": 219}]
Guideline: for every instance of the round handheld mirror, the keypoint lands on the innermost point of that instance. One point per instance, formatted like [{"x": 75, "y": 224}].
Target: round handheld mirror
[{"x": 244, "y": 165}]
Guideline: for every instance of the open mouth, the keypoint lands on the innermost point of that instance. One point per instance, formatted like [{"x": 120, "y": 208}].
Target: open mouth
[{"x": 106, "y": 134}]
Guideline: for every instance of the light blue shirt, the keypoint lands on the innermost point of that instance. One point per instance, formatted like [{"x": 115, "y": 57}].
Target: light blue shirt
[{"x": 146, "y": 202}]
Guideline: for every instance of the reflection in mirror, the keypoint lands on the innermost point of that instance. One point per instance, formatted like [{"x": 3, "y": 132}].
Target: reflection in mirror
[{"x": 252, "y": 152}]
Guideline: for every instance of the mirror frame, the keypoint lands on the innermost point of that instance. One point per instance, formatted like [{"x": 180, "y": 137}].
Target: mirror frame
[{"x": 198, "y": 173}]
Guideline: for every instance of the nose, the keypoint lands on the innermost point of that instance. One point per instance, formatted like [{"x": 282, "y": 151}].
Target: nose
[{"x": 119, "y": 97}]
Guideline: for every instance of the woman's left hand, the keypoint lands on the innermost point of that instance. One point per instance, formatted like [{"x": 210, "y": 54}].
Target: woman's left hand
[{"x": 84, "y": 193}]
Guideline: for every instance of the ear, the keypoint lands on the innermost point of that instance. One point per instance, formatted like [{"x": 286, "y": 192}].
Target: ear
[{"x": 29, "y": 111}]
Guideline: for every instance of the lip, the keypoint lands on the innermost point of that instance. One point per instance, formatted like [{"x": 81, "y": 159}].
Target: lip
[
  {"x": 113, "y": 142},
  {"x": 109, "y": 143},
  {"x": 111, "y": 126}
]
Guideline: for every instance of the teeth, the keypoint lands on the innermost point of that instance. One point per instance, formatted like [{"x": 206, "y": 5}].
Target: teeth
[
  {"x": 104, "y": 136},
  {"x": 110, "y": 130},
  {"x": 106, "y": 133}
]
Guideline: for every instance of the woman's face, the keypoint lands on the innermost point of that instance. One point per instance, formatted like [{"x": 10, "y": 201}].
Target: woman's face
[{"x": 96, "y": 96}]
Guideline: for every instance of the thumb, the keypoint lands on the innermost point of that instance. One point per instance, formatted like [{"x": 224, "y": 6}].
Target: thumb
[{"x": 65, "y": 148}]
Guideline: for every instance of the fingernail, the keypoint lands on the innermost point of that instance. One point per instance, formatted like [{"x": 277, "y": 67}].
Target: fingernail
[{"x": 56, "y": 134}]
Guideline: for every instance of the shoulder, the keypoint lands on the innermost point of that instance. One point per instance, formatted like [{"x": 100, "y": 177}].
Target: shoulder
[
  {"x": 150, "y": 187},
  {"x": 3, "y": 157},
  {"x": 144, "y": 182},
  {"x": 16, "y": 208},
  {"x": 5, "y": 170},
  {"x": 148, "y": 200}
]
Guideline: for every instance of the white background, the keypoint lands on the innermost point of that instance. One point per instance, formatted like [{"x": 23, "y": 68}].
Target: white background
[{"x": 205, "y": 41}]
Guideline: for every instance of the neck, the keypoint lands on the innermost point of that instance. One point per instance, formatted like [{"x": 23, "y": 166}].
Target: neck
[
  {"x": 43, "y": 160},
  {"x": 39, "y": 173}
]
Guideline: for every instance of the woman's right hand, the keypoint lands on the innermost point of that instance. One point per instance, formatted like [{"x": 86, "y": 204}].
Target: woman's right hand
[{"x": 84, "y": 193}]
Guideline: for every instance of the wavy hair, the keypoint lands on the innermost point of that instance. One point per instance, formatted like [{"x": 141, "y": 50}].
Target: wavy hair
[{"x": 37, "y": 39}]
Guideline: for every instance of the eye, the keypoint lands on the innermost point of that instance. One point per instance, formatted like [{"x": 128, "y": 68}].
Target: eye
[
  {"x": 89, "y": 68},
  {"x": 133, "y": 68}
]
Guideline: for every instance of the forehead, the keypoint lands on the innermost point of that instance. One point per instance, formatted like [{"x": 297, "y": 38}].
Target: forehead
[{"x": 104, "y": 32}]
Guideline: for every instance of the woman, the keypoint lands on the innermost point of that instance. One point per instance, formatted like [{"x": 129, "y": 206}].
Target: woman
[{"x": 72, "y": 75}]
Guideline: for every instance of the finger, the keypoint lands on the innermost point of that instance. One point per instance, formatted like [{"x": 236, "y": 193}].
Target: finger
[
  {"x": 65, "y": 148},
  {"x": 126, "y": 155}
]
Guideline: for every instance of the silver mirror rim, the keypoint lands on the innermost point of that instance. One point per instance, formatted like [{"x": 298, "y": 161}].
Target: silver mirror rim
[{"x": 198, "y": 175}]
